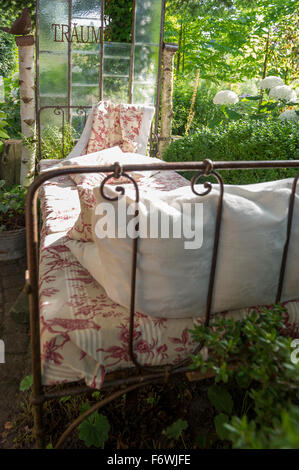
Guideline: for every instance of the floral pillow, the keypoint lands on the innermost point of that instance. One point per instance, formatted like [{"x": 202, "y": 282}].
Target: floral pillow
[
  {"x": 115, "y": 128},
  {"x": 115, "y": 124}
]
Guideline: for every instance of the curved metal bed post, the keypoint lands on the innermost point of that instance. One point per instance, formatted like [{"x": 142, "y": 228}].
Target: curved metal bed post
[
  {"x": 31, "y": 288},
  {"x": 159, "y": 373}
]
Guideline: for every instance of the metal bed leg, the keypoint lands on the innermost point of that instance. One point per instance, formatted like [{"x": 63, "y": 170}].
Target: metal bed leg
[{"x": 38, "y": 425}]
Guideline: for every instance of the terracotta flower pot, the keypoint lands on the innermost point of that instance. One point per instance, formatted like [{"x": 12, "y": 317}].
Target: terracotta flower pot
[{"x": 13, "y": 244}]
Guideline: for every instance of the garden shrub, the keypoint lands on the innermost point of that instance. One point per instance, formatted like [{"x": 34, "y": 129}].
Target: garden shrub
[
  {"x": 256, "y": 366},
  {"x": 206, "y": 113},
  {"x": 12, "y": 207},
  {"x": 11, "y": 107},
  {"x": 8, "y": 54},
  {"x": 241, "y": 140},
  {"x": 51, "y": 142}
]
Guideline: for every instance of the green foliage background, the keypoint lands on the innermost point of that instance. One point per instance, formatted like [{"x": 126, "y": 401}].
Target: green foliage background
[
  {"x": 241, "y": 140},
  {"x": 206, "y": 113},
  {"x": 8, "y": 54},
  {"x": 227, "y": 40},
  {"x": 258, "y": 397},
  {"x": 11, "y": 9}
]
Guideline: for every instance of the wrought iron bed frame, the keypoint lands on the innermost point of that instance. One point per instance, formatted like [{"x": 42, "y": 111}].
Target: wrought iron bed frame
[{"x": 140, "y": 375}]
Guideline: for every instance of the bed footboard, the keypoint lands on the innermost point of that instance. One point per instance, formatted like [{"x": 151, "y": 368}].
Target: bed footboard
[{"x": 142, "y": 375}]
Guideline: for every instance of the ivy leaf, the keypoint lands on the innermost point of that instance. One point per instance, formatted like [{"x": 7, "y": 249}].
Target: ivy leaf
[
  {"x": 221, "y": 399},
  {"x": 94, "y": 430},
  {"x": 174, "y": 431},
  {"x": 219, "y": 422},
  {"x": 26, "y": 383}
]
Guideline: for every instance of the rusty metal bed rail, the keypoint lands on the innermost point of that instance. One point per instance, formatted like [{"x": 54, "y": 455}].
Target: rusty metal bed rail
[{"x": 142, "y": 375}]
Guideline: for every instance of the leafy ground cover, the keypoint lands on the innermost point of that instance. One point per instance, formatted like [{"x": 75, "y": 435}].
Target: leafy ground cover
[
  {"x": 157, "y": 417},
  {"x": 12, "y": 207},
  {"x": 252, "y": 402}
]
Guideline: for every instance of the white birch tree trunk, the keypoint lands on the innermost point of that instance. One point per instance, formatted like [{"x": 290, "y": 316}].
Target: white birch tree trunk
[
  {"x": 27, "y": 104},
  {"x": 169, "y": 51}
]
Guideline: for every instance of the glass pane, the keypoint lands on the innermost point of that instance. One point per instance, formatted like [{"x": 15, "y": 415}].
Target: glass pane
[
  {"x": 117, "y": 59},
  {"x": 147, "y": 24},
  {"x": 87, "y": 9},
  {"x": 52, "y": 16},
  {"x": 145, "y": 74},
  {"x": 52, "y": 117},
  {"x": 116, "y": 89},
  {"x": 53, "y": 74},
  {"x": 85, "y": 67},
  {"x": 146, "y": 63},
  {"x": 84, "y": 94},
  {"x": 143, "y": 94},
  {"x": 82, "y": 40}
]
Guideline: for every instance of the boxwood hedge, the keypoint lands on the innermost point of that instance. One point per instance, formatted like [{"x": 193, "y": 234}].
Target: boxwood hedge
[{"x": 241, "y": 140}]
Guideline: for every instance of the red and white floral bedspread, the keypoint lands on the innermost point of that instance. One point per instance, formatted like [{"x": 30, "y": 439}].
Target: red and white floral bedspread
[{"x": 84, "y": 334}]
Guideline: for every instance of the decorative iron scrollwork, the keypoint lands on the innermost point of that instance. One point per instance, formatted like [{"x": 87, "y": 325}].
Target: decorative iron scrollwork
[
  {"x": 117, "y": 174},
  {"x": 208, "y": 170}
]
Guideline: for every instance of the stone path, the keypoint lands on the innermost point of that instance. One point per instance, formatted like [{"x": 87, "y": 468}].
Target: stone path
[{"x": 14, "y": 331}]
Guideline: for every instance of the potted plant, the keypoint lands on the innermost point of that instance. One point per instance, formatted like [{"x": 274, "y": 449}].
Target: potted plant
[{"x": 12, "y": 222}]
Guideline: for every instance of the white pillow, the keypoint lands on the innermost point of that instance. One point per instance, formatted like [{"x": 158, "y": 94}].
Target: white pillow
[{"x": 172, "y": 281}]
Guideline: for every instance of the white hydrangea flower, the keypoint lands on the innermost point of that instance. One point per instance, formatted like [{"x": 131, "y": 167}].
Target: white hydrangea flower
[
  {"x": 293, "y": 97},
  {"x": 289, "y": 115},
  {"x": 226, "y": 97},
  {"x": 270, "y": 82},
  {"x": 283, "y": 92}
]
